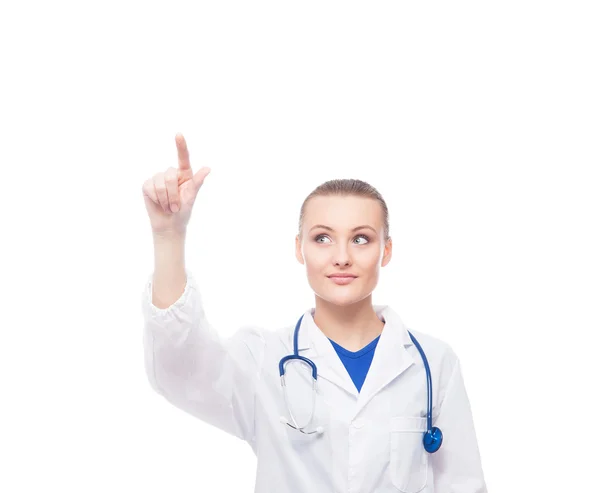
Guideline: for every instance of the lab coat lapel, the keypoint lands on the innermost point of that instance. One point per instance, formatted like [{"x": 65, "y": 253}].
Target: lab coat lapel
[
  {"x": 313, "y": 344},
  {"x": 391, "y": 358}
]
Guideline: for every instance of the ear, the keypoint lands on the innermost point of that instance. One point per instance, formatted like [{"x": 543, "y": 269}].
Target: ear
[
  {"x": 387, "y": 253},
  {"x": 299, "y": 255}
]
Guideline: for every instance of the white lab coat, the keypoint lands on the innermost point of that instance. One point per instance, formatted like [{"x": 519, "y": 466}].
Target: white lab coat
[{"x": 372, "y": 440}]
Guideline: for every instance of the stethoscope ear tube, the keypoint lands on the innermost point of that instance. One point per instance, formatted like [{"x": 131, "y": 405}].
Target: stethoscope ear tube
[
  {"x": 318, "y": 430},
  {"x": 294, "y": 423}
]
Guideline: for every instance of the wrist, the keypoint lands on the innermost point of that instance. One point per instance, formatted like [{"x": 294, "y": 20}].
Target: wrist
[{"x": 167, "y": 237}]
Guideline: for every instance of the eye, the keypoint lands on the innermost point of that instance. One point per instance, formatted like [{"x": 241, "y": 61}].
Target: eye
[{"x": 318, "y": 237}]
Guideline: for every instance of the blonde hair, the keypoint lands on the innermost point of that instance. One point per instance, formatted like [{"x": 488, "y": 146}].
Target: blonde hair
[{"x": 345, "y": 188}]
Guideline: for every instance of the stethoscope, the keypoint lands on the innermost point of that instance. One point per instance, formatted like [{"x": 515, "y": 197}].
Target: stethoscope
[{"x": 432, "y": 438}]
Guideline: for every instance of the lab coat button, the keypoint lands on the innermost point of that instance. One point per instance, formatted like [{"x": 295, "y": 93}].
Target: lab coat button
[{"x": 358, "y": 423}]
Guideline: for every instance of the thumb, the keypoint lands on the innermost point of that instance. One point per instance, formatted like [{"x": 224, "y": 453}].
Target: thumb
[{"x": 199, "y": 177}]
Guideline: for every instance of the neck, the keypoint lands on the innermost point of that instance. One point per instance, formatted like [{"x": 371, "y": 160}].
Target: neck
[{"x": 352, "y": 326}]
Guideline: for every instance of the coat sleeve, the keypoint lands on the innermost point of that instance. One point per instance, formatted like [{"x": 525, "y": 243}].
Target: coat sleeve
[
  {"x": 195, "y": 369},
  {"x": 457, "y": 464}
]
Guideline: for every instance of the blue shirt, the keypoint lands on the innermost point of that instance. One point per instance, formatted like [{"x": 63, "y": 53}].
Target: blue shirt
[{"x": 357, "y": 363}]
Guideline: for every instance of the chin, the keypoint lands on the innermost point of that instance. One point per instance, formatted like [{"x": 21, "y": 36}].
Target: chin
[{"x": 340, "y": 300}]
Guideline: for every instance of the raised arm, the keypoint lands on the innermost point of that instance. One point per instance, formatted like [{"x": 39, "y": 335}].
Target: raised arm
[
  {"x": 169, "y": 198},
  {"x": 186, "y": 360}
]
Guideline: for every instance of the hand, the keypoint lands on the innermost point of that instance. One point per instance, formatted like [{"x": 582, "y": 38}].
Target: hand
[{"x": 170, "y": 195}]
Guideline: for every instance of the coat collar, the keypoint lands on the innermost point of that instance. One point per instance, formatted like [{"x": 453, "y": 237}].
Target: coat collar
[{"x": 389, "y": 361}]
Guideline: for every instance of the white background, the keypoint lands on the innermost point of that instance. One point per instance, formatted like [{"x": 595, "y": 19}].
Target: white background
[{"x": 477, "y": 121}]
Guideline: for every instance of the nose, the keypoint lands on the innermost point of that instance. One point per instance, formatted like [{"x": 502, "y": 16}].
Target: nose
[{"x": 341, "y": 256}]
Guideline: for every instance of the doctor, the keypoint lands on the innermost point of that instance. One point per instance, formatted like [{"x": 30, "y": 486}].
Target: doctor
[{"x": 355, "y": 408}]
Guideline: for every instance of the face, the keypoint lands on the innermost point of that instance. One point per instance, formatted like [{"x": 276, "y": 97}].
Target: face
[{"x": 343, "y": 249}]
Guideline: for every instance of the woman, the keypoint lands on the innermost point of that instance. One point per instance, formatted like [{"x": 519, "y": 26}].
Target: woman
[{"x": 366, "y": 429}]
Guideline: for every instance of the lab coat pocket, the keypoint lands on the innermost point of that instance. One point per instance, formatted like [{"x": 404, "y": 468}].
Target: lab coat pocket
[{"x": 409, "y": 461}]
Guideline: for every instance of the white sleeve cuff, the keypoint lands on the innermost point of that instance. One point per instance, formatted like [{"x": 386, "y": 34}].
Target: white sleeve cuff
[{"x": 151, "y": 311}]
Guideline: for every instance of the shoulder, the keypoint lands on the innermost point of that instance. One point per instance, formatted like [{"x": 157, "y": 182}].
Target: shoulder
[
  {"x": 256, "y": 336},
  {"x": 444, "y": 365},
  {"x": 261, "y": 342},
  {"x": 251, "y": 335},
  {"x": 440, "y": 354},
  {"x": 435, "y": 344}
]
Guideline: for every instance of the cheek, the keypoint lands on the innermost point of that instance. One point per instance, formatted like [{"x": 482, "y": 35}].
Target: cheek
[
  {"x": 314, "y": 268},
  {"x": 318, "y": 262},
  {"x": 369, "y": 262},
  {"x": 314, "y": 259}
]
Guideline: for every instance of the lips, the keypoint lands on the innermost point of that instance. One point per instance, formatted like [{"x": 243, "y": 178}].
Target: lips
[{"x": 342, "y": 279}]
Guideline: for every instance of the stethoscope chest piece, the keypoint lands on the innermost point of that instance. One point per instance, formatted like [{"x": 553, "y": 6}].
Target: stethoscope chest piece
[{"x": 432, "y": 440}]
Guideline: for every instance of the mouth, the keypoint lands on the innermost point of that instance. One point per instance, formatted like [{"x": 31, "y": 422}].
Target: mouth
[
  {"x": 342, "y": 274},
  {"x": 342, "y": 279}
]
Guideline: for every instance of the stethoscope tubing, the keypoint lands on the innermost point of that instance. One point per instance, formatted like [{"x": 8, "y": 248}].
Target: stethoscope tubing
[{"x": 432, "y": 439}]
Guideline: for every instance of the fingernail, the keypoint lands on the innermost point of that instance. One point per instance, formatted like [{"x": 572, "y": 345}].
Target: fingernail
[{"x": 174, "y": 207}]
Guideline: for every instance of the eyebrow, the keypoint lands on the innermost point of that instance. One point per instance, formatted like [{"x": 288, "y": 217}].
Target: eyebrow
[{"x": 353, "y": 229}]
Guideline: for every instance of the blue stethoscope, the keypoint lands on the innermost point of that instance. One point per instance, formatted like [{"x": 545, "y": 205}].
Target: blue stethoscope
[{"x": 432, "y": 438}]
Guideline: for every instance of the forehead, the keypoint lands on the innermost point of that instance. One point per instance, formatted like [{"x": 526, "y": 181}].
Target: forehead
[{"x": 342, "y": 212}]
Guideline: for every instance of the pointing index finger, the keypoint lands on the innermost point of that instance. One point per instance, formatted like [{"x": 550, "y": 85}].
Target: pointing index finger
[{"x": 183, "y": 154}]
